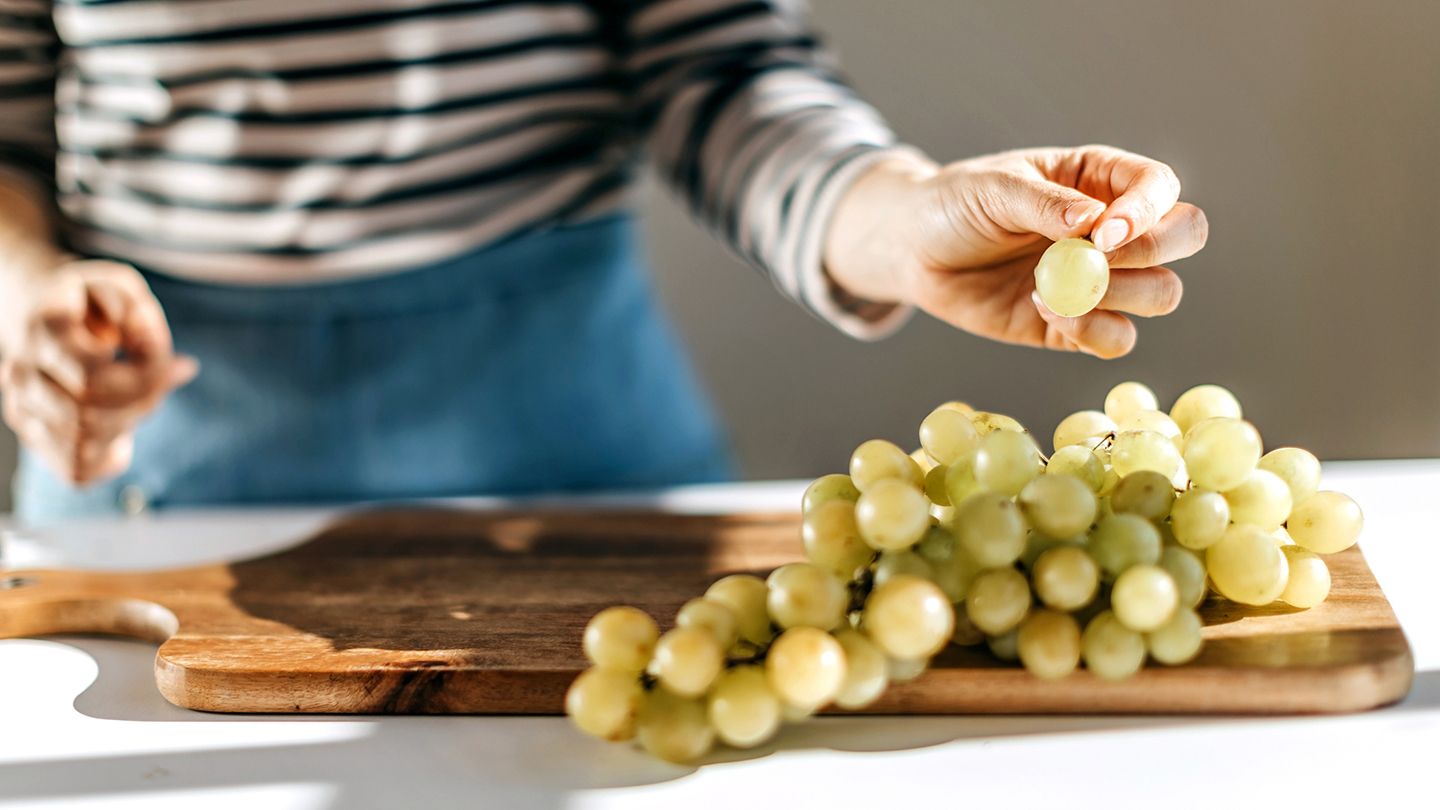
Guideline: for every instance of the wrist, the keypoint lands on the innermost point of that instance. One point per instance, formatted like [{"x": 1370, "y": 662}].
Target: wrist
[{"x": 866, "y": 249}]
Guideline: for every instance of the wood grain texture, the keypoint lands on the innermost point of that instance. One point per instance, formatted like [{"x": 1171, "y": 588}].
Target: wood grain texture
[{"x": 472, "y": 612}]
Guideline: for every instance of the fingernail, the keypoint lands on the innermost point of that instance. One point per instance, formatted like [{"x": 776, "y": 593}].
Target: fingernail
[
  {"x": 1112, "y": 234},
  {"x": 1081, "y": 213}
]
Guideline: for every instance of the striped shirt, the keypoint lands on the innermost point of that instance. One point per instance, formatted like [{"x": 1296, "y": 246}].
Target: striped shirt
[{"x": 293, "y": 141}]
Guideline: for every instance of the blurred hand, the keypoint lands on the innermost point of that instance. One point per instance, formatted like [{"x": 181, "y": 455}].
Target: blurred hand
[
  {"x": 961, "y": 241},
  {"x": 89, "y": 356}
]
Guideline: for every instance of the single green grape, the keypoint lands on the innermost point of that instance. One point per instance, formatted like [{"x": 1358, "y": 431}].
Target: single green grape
[
  {"x": 1188, "y": 571},
  {"x": 1071, "y": 277},
  {"x": 879, "y": 460},
  {"x": 955, "y": 573},
  {"x": 805, "y": 595},
  {"x": 1136, "y": 450},
  {"x": 687, "y": 660},
  {"x": 988, "y": 422},
  {"x": 935, "y": 485},
  {"x": 1308, "y": 582},
  {"x": 1006, "y": 461},
  {"x": 1221, "y": 453},
  {"x": 806, "y": 667},
  {"x": 866, "y": 671},
  {"x": 1127, "y": 398},
  {"x": 1059, "y": 505},
  {"x": 991, "y": 529},
  {"x": 746, "y": 596},
  {"x": 1005, "y": 646},
  {"x": 1121, "y": 541},
  {"x": 960, "y": 482},
  {"x": 966, "y": 634},
  {"x": 1247, "y": 566},
  {"x": 1199, "y": 518},
  {"x": 743, "y": 709},
  {"x": 712, "y": 616},
  {"x": 1262, "y": 499},
  {"x": 908, "y": 617},
  {"x": 948, "y": 435},
  {"x": 620, "y": 638},
  {"x": 891, "y": 563},
  {"x": 1299, "y": 469},
  {"x": 674, "y": 728},
  {"x": 1156, "y": 421},
  {"x": 1326, "y": 522},
  {"x": 604, "y": 703},
  {"x": 1082, "y": 427},
  {"x": 1145, "y": 493},
  {"x": 892, "y": 514},
  {"x": 1079, "y": 461},
  {"x": 998, "y": 600},
  {"x": 1204, "y": 402},
  {"x": 1066, "y": 578},
  {"x": 832, "y": 540},
  {"x": 901, "y": 670},
  {"x": 1048, "y": 644},
  {"x": 1144, "y": 597},
  {"x": 827, "y": 488},
  {"x": 1178, "y": 640},
  {"x": 1111, "y": 650}
]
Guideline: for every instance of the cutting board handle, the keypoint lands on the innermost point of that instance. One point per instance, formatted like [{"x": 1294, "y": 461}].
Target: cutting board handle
[{"x": 44, "y": 607}]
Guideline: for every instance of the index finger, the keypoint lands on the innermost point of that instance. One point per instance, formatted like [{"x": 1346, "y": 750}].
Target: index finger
[
  {"x": 1145, "y": 190},
  {"x": 134, "y": 312}
]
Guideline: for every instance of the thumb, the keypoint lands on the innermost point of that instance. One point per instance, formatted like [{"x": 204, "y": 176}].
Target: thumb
[
  {"x": 183, "y": 369},
  {"x": 1036, "y": 205}
]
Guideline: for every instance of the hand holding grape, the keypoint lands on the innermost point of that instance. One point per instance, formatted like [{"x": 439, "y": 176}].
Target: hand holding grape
[{"x": 961, "y": 242}]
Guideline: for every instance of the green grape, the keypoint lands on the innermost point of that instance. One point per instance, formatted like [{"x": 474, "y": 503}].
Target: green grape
[
  {"x": 1065, "y": 578},
  {"x": 1178, "y": 640},
  {"x": 892, "y": 514},
  {"x": 1246, "y": 566},
  {"x": 987, "y": 422},
  {"x": 746, "y": 596},
  {"x": 1049, "y": 644},
  {"x": 828, "y": 488},
  {"x": 1112, "y": 480},
  {"x": 1127, "y": 398},
  {"x": 1144, "y": 597},
  {"x": 1006, "y": 461},
  {"x": 1079, "y": 461},
  {"x": 957, "y": 405},
  {"x": 620, "y": 638},
  {"x": 878, "y": 460},
  {"x": 1308, "y": 582},
  {"x": 998, "y": 600},
  {"x": 1188, "y": 571},
  {"x": 909, "y": 563},
  {"x": 711, "y": 616},
  {"x": 935, "y": 485},
  {"x": 955, "y": 573},
  {"x": 1326, "y": 522},
  {"x": 991, "y": 529},
  {"x": 1082, "y": 427},
  {"x": 1199, "y": 518},
  {"x": 804, "y": 595},
  {"x": 1136, "y": 450},
  {"x": 1071, "y": 277},
  {"x": 937, "y": 545},
  {"x": 1282, "y": 537},
  {"x": 743, "y": 709},
  {"x": 1204, "y": 402},
  {"x": 687, "y": 660},
  {"x": 797, "y": 714},
  {"x": 1221, "y": 453},
  {"x": 1005, "y": 646},
  {"x": 1299, "y": 469},
  {"x": 1059, "y": 505},
  {"x": 923, "y": 461},
  {"x": 806, "y": 667},
  {"x": 832, "y": 539},
  {"x": 866, "y": 671},
  {"x": 1121, "y": 541},
  {"x": 604, "y": 702},
  {"x": 1262, "y": 500},
  {"x": 908, "y": 617},
  {"x": 901, "y": 670},
  {"x": 966, "y": 634},
  {"x": 1155, "y": 421},
  {"x": 674, "y": 728},
  {"x": 960, "y": 482},
  {"x": 1111, "y": 650},
  {"x": 1145, "y": 493},
  {"x": 1036, "y": 544},
  {"x": 948, "y": 435}
]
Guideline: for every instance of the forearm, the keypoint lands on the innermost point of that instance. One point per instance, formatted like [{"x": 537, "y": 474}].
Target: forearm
[{"x": 29, "y": 250}]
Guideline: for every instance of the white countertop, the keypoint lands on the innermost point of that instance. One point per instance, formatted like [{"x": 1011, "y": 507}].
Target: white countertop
[{"x": 81, "y": 724}]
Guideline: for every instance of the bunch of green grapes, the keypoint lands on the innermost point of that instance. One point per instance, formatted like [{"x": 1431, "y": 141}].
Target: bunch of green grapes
[{"x": 1098, "y": 555}]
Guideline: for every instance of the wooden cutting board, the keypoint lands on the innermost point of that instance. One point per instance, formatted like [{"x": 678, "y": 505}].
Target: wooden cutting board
[{"x": 456, "y": 612}]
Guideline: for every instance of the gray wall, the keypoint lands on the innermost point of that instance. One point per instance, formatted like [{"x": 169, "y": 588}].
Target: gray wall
[{"x": 1307, "y": 131}]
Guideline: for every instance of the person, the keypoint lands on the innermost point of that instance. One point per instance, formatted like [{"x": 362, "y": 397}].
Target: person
[{"x": 257, "y": 250}]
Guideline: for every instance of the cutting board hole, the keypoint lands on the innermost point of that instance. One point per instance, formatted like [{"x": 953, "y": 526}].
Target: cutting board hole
[{"x": 10, "y": 583}]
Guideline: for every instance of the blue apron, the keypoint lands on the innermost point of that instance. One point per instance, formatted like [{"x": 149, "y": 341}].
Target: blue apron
[{"x": 538, "y": 364}]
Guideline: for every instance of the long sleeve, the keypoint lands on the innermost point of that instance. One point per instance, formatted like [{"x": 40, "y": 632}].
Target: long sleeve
[
  {"x": 28, "y": 48},
  {"x": 749, "y": 123}
]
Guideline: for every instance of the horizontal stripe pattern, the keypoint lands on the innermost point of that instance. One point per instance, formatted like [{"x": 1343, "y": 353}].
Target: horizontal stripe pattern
[{"x": 290, "y": 141}]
